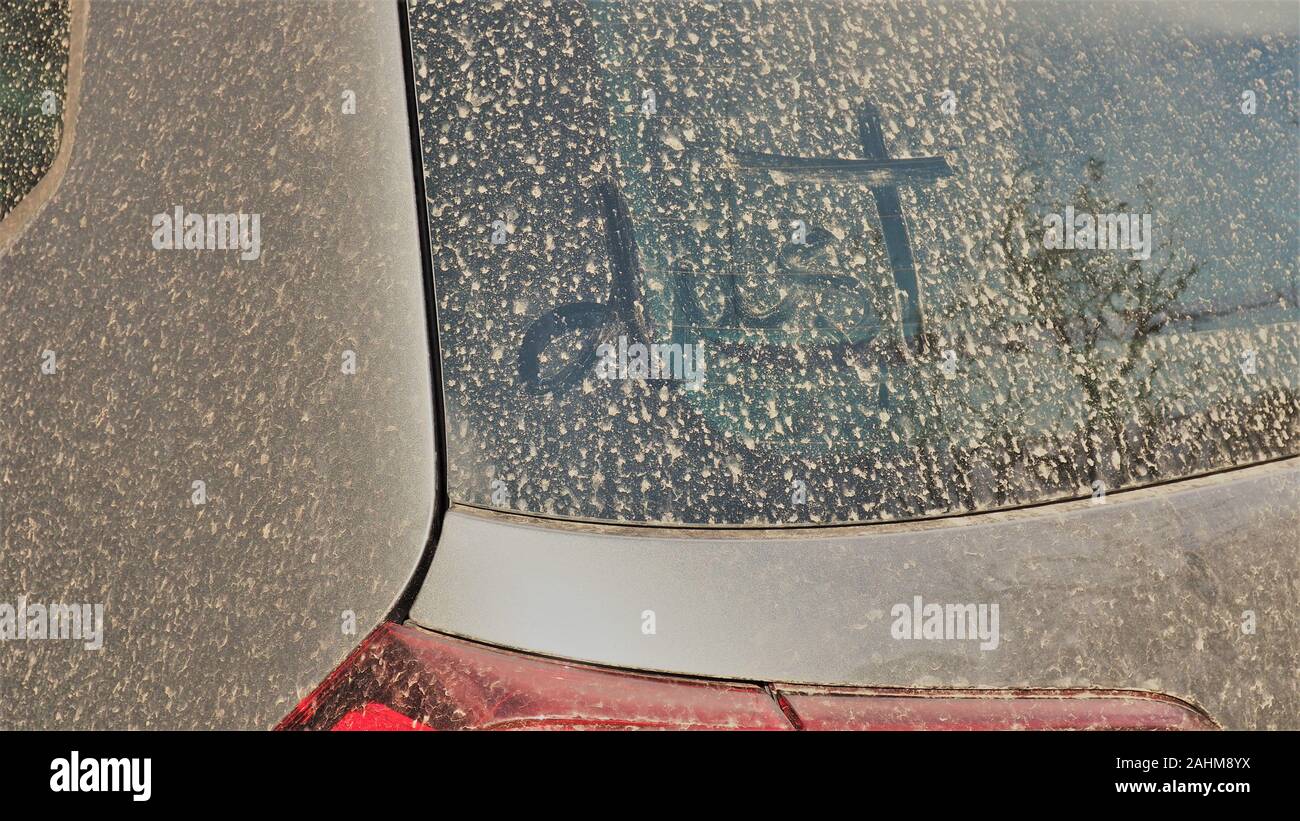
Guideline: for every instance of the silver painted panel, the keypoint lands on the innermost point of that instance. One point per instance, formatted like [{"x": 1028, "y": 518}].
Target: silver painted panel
[
  {"x": 178, "y": 366},
  {"x": 1146, "y": 591}
]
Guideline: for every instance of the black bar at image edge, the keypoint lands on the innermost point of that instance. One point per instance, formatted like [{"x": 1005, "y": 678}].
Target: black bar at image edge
[{"x": 227, "y": 769}]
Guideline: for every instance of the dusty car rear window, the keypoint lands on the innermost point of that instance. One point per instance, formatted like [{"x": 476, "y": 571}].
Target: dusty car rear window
[{"x": 821, "y": 262}]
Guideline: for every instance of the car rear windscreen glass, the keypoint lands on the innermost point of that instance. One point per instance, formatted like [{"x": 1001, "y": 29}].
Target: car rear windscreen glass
[
  {"x": 766, "y": 263},
  {"x": 34, "y": 35}
]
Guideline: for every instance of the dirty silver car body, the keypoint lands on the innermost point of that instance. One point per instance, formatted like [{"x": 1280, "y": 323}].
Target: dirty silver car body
[
  {"x": 595, "y": 169},
  {"x": 326, "y": 487},
  {"x": 183, "y": 366}
]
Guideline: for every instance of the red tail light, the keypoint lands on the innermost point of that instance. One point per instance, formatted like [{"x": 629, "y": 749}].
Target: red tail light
[
  {"x": 855, "y": 709},
  {"x": 406, "y": 678}
]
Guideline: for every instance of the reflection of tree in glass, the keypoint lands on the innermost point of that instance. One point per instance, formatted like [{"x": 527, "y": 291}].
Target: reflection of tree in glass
[{"x": 1101, "y": 307}]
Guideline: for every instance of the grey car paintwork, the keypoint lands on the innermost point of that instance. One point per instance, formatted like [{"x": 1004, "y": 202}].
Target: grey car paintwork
[
  {"x": 181, "y": 365},
  {"x": 1146, "y": 591}
]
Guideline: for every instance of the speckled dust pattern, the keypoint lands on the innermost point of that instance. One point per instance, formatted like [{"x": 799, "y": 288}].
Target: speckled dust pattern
[
  {"x": 34, "y": 62},
  {"x": 176, "y": 366},
  {"x": 516, "y": 125},
  {"x": 1145, "y": 592}
]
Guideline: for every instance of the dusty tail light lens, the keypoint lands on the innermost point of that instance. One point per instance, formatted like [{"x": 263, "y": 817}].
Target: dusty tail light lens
[
  {"x": 855, "y": 709},
  {"x": 406, "y": 678}
]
